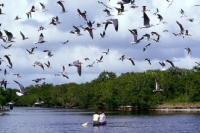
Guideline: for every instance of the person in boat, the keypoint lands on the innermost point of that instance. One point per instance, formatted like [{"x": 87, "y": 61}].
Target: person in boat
[
  {"x": 96, "y": 116},
  {"x": 102, "y": 117}
]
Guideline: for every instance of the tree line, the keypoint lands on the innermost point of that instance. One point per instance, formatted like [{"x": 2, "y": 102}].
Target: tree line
[{"x": 109, "y": 90}]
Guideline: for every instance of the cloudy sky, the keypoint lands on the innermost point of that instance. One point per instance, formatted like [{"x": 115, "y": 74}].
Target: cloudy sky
[{"x": 79, "y": 47}]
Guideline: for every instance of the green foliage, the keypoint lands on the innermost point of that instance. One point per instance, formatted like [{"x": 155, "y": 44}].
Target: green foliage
[{"x": 108, "y": 90}]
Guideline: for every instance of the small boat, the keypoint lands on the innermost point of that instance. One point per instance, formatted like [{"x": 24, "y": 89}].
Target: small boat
[{"x": 97, "y": 123}]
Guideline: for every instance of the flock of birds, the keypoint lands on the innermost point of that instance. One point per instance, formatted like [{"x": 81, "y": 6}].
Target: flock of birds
[{"x": 7, "y": 37}]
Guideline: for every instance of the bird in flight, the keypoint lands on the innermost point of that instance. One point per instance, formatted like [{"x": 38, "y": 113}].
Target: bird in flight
[
  {"x": 22, "y": 89},
  {"x": 82, "y": 14},
  {"x": 134, "y": 33},
  {"x": 62, "y": 6},
  {"x": 112, "y": 21},
  {"x": 31, "y": 51},
  {"x": 43, "y": 7},
  {"x": 41, "y": 39},
  {"x": 146, "y": 46},
  {"x": 23, "y": 37},
  {"x": 49, "y": 54},
  {"x": 78, "y": 65},
  {"x": 100, "y": 60}
]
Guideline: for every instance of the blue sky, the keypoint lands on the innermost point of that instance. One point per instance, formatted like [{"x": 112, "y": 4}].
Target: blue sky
[{"x": 79, "y": 47}]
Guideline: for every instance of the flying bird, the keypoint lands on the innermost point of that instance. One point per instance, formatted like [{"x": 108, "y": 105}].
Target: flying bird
[
  {"x": 108, "y": 13},
  {"x": 38, "y": 80},
  {"x": 63, "y": 71},
  {"x": 100, "y": 60},
  {"x": 39, "y": 101},
  {"x": 147, "y": 36},
  {"x": 160, "y": 19},
  {"x": 156, "y": 11},
  {"x": 65, "y": 42},
  {"x": 170, "y": 62},
  {"x": 38, "y": 64},
  {"x": 1, "y": 13},
  {"x": 29, "y": 15},
  {"x": 148, "y": 60},
  {"x": 17, "y": 18},
  {"x": 22, "y": 89},
  {"x": 188, "y": 50},
  {"x": 31, "y": 51},
  {"x": 112, "y": 21},
  {"x": 6, "y": 47},
  {"x": 33, "y": 9},
  {"x": 106, "y": 52},
  {"x": 41, "y": 28},
  {"x": 48, "y": 64},
  {"x": 62, "y": 6},
  {"x": 8, "y": 59},
  {"x": 2, "y": 37},
  {"x": 162, "y": 64},
  {"x": 76, "y": 31},
  {"x": 191, "y": 19},
  {"x": 41, "y": 39},
  {"x": 82, "y": 14},
  {"x": 131, "y": 59},
  {"x": 11, "y": 103},
  {"x": 182, "y": 13},
  {"x": 181, "y": 28},
  {"x": 17, "y": 75},
  {"x": 146, "y": 21},
  {"x": 103, "y": 35},
  {"x": 49, "y": 54},
  {"x": 9, "y": 36},
  {"x": 90, "y": 24},
  {"x": 78, "y": 65},
  {"x": 23, "y": 37},
  {"x": 91, "y": 65},
  {"x": 90, "y": 30},
  {"x": 158, "y": 87},
  {"x": 146, "y": 46},
  {"x": 186, "y": 33},
  {"x": 122, "y": 57},
  {"x": 134, "y": 33},
  {"x": 5, "y": 72},
  {"x": 43, "y": 7},
  {"x": 4, "y": 83}
]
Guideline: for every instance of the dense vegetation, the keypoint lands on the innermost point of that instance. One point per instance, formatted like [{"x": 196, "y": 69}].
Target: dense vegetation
[{"x": 108, "y": 90}]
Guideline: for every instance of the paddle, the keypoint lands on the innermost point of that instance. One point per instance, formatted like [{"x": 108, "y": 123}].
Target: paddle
[{"x": 85, "y": 124}]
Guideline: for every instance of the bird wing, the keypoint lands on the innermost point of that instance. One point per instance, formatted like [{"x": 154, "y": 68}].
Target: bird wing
[
  {"x": 181, "y": 27},
  {"x": 115, "y": 23},
  {"x": 41, "y": 37},
  {"x": 21, "y": 87},
  {"x": 170, "y": 62},
  {"x": 101, "y": 57},
  {"x": 43, "y": 7},
  {"x": 23, "y": 37},
  {"x": 79, "y": 69},
  {"x": 146, "y": 19},
  {"x": 90, "y": 32},
  {"x": 61, "y": 4},
  {"x": 9, "y": 61},
  {"x": 134, "y": 35}
]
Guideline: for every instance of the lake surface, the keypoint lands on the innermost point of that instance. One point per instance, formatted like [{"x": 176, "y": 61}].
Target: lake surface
[{"x": 56, "y": 120}]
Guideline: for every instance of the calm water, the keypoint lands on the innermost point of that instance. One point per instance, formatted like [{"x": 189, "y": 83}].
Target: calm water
[{"x": 48, "y": 120}]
